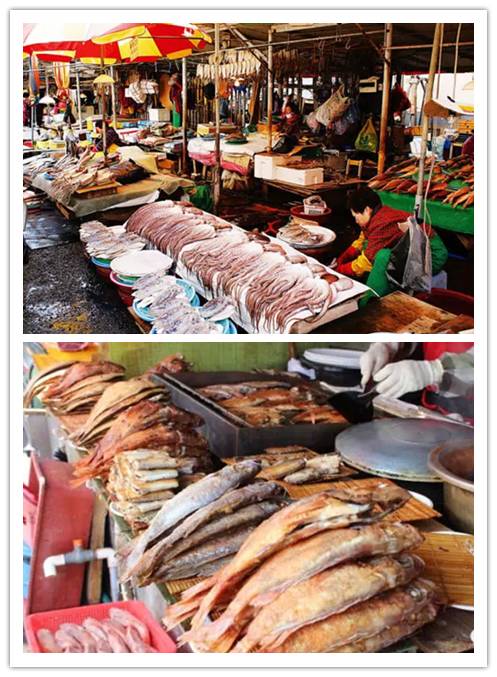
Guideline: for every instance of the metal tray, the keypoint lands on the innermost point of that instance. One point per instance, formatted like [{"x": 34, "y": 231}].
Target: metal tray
[
  {"x": 229, "y": 435},
  {"x": 398, "y": 449}
]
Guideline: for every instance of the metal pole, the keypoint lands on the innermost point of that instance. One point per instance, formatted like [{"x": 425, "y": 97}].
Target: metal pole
[
  {"x": 78, "y": 100},
  {"x": 217, "y": 167},
  {"x": 425, "y": 119},
  {"x": 184, "y": 117},
  {"x": 270, "y": 92},
  {"x": 113, "y": 97},
  {"x": 385, "y": 101}
]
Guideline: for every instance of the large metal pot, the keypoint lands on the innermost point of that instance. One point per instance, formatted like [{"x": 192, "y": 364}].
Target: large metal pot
[{"x": 454, "y": 462}]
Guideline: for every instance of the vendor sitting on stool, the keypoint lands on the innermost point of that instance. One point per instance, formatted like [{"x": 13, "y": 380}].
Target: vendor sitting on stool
[{"x": 381, "y": 229}]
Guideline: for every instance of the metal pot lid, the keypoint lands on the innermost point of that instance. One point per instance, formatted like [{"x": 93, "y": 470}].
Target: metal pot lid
[{"x": 398, "y": 449}]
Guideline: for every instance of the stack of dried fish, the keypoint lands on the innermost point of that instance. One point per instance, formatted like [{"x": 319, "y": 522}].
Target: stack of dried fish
[
  {"x": 117, "y": 398},
  {"x": 273, "y": 405},
  {"x": 272, "y": 287},
  {"x": 202, "y": 527},
  {"x": 75, "y": 387},
  {"x": 171, "y": 364},
  {"x": 402, "y": 178},
  {"x": 148, "y": 425},
  {"x": 321, "y": 575},
  {"x": 103, "y": 242},
  {"x": 140, "y": 482}
]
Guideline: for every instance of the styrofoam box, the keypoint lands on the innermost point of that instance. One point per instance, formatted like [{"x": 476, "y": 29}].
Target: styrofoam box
[
  {"x": 265, "y": 165},
  {"x": 159, "y": 114},
  {"x": 300, "y": 177}
]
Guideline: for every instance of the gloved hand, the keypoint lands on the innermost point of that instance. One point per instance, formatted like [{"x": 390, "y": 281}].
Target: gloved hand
[
  {"x": 376, "y": 357},
  {"x": 408, "y": 376}
]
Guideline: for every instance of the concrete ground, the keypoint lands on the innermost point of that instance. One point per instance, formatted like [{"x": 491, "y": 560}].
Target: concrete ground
[{"x": 64, "y": 295}]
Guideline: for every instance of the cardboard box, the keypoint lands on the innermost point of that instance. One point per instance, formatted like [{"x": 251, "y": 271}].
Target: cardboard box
[
  {"x": 159, "y": 114},
  {"x": 300, "y": 177}
]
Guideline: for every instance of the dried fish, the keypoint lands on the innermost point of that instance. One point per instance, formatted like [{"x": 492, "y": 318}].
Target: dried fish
[
  {"x": 339, "y": 588},
  {"x": 362, "y": 621},
  {"x": 185, "y": 503}
]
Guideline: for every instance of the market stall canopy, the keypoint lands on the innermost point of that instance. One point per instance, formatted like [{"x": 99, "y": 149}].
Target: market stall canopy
[{"x": 110, "y": 44}]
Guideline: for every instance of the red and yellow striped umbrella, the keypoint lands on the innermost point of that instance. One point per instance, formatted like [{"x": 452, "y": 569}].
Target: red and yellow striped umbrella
[{"x": 110, "y": 44}]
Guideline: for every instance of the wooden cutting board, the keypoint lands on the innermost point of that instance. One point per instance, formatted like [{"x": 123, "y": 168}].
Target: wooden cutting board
[{"x": 450, "y": 563}]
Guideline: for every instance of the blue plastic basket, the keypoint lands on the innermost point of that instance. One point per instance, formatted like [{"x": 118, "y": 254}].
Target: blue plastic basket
[{"x": 228, "y": 327}]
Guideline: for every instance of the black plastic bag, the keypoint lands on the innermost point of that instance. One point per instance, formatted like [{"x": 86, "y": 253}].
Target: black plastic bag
[{"x": 409, "y": 267}]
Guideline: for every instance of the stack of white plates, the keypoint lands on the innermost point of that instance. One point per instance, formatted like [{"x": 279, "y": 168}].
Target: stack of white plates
[{"x": 137, "y": 264}]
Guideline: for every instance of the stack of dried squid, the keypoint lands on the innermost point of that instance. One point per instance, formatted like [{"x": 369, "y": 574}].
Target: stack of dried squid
[
  {"x": 74, "y": 387},
  {"x": 150, "y": 426},
  {"x": 324, "y": 574},
  {"x": 201, "y": 528},
  {"x": 141, "y": 481},
  {"x": 116, "y": 398},
  {"x": 272, "y": 287}
]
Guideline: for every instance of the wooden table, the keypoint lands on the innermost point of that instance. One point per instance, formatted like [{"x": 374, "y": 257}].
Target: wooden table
[{"x": 397, "y": 313}]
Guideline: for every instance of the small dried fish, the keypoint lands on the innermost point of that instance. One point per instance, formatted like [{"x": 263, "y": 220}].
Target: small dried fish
[{"x": 279, "y": 470}]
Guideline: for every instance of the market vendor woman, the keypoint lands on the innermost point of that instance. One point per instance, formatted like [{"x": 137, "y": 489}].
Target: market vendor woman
[{"x": 381, "y": 229}]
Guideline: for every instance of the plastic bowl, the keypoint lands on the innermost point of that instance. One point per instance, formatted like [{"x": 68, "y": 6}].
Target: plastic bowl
[
  {"x": 320, "y": 219},
  {"x": 124, "y": 290}
]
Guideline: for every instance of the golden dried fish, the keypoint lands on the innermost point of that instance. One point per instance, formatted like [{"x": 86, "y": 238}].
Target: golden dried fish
[
  {"x": 298, "y": 563},
  {"x": 329, "y": 592},
  {"x": 297, "y": 521},
  {"x": 394, "y": 634},
  {"x": 279, "y": 470},
  {"x": 362, "y": 621}
]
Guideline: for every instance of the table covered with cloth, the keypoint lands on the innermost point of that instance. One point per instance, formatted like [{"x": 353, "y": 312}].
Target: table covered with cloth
[
  {"x": 140, "y": 192},
  {"x": 234, "y": 157}
]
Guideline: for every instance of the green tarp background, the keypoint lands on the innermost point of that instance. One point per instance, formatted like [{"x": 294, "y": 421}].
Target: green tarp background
[
  {"x": 222, "y": 356},
  {"x": 442, "y": 216}
]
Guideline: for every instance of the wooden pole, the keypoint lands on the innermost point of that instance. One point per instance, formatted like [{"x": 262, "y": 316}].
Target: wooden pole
[
  {"x": 78, "y": 101},
  {"x": 385, "y": 101},
  {"x": 184, "y": 117},
  {"x": 426, "y": 120},
  {"x": 113, "y": 95},
  {"x": 217, "y": 167},
  {"x": 270, "y": 91}
]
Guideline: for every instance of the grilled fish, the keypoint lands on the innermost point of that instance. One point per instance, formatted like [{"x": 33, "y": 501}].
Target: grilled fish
[
  {"x": 362, "y": 621},
  {"x": 298, "y": 563},
  {"x": 329, "y": 592}
]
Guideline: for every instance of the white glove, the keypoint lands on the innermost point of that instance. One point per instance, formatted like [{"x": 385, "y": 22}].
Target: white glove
[
  {"x": 408, "y": 376},
  {"x": 376, "y": 357}
]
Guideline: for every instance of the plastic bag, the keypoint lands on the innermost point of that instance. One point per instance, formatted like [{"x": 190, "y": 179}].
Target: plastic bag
[
  {"x": 410, "y": 262},
  {"x": 333, "y": 108},
  {"x": 367, "y": 139}
]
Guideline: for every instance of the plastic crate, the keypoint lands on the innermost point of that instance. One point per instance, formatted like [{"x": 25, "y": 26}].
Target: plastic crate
[{"x": 52, "y": 620}]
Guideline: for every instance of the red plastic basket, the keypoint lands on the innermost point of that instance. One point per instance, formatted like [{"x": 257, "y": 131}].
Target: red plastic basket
[{"x": 52, "y": 620}]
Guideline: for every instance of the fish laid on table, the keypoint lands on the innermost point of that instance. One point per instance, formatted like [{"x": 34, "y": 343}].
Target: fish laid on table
[
  {"x": 391, "y": 635},
  {"x": 185, "y": 503},
  {"x": 338, "y": 589},
  {"x": 296, "y": 564},
  {"x": 117, "y": 397},
  {"x": 363, "y": 621},
  {"x": 246, "y": 518},
  {"x": 233, "y": 502},
  {"x": 296, "y": 522},
  {"x": 225, "y": 391},
  {"x": 316, "y": 469},
  {"x": 43, "y": 379},
  {"x": 279, "y": 470},
  {"x": 188, "y": 564}
]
